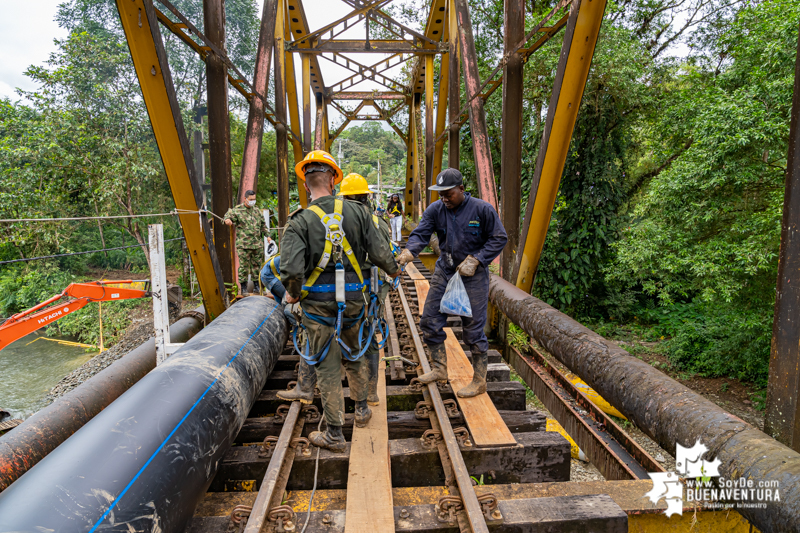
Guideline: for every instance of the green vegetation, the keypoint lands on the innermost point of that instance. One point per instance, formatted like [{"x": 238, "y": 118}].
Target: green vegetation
[
  {"x": 666, "y": 227},
  {"x": 667, "y": 222}
]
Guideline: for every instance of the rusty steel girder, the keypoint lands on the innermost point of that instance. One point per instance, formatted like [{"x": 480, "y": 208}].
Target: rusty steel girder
[{"x": 667, "y": 411}]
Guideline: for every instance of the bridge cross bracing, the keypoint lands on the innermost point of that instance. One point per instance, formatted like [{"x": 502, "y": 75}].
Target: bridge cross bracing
[{"x": 431, "y": 103}]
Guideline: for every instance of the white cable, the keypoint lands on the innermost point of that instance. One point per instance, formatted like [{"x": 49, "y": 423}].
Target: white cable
[{"x": 314, "y": 488}]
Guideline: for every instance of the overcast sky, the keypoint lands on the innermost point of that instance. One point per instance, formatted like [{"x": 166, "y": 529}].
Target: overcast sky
[{"x": 27, "y": 33}]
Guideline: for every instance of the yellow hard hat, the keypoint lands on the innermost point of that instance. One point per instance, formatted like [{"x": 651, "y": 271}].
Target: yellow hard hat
[
  {"x": 318, "y": 156},
  {"x": 354, "y": 184}
]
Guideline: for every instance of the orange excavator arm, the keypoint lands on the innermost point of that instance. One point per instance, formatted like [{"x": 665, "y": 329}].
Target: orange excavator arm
[{"x": 79, "y": 294}]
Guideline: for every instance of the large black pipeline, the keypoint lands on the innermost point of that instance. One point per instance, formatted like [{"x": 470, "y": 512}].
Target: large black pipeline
[
  {"x": 40, "y": 434},
  {"x": 145, "y": 462},
  {"x": 667, "y": 411}
]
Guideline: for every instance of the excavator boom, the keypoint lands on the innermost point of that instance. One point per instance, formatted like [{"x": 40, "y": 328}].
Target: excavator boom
[{"x": 80, "y": 295}]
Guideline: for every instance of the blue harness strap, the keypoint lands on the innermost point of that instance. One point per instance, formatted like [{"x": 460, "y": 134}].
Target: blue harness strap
[{"x": 339, "y": 322}]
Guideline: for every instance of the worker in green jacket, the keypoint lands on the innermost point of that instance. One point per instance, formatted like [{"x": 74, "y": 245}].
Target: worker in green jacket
[
  {"x": 355, "y": 187},
  {"x": 250, "y": 232},
  {"x": 329, "y": 236}
]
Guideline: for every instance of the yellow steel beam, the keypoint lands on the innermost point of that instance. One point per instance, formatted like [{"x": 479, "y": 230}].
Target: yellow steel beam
[
  {"x": 429, "y": 113},
  {"x": 308, "y": 138},
  {"x": 325, "y": 127},
  {"x": 435, "y": 28},
  {"x": 409, "y": 191},
  {"x": 140, "y": 24},
  {"x": 294, "y": 110},
  {"x": 577, "y": 51},
  {"x": 414, "y": 137},
  {"x": 441, "y": 114},
  {"x": 299, "y": 26}
]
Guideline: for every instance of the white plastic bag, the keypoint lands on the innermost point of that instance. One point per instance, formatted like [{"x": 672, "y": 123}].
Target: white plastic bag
[{"x": 455, "y": 300}]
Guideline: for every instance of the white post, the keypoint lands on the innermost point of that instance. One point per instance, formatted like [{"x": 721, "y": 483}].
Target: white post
[
  {"x": 158, "y": 282},
  {"x": 265, "y": 212}
]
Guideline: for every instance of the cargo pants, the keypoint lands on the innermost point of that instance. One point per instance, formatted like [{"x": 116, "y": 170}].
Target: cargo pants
[
  {"x": 250, "y": 260},
  {"x": 329, "y": 371},
  {"x": 433, "y": 321}
]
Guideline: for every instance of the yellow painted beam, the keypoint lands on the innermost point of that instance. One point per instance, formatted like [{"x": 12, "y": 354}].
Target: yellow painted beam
[
  {"x": 409, "y": 190},
  {"x": 429, "y": 122},
  {"x": 294, "y": 112},
  {"x": 570, "y": 82},
  {"x": 150, "y": 61},
  {"x": 441, "y": 113}
]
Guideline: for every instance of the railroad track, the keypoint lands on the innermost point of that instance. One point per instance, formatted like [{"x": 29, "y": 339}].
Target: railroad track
[{"x": 440, "y": 480}]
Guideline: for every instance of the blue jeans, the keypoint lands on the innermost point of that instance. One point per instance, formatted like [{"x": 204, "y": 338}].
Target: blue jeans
[
  {"x": 433, "y": 321},
  {"x": 272, "y": 284}
]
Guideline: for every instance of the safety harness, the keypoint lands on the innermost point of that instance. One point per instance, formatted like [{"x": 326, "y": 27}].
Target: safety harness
[{"x": 336, "y": 246}]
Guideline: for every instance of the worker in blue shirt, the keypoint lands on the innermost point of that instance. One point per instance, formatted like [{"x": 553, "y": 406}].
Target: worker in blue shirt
[{"x": 470, "y": 237}]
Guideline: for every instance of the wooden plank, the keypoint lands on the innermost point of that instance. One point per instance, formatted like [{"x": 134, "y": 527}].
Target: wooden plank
[
  {"x": 484, "y": 422},
  {"x": 369, "y": 479},
  {"x": 422, "y": 294},
  {"x": 413, "y": 272}
]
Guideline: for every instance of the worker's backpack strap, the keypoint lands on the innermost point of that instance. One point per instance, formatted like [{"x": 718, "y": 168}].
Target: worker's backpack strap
[
  {"x": 334, "y": 239},
  {"x": 274, "y": 269},
  {"x": 326, "y": 254}
]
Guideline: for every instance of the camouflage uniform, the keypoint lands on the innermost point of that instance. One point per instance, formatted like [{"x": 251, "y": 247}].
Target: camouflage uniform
[
  {"x": 301, "y": 248},
  {"x": 250, "y": 232}
]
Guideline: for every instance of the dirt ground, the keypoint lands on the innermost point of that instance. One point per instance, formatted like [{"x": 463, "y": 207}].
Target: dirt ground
[{"x": 95, "y": 274}]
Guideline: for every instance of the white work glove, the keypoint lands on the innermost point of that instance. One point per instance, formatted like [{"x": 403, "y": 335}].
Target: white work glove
[
  {"x": 468, "y": 266},
  {"x": 404, "y": 258}
]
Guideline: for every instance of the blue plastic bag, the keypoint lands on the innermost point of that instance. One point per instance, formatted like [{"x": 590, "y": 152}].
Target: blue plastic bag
[{"x": 455, "y": 300}]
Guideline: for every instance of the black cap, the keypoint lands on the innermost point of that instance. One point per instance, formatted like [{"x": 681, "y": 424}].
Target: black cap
[{"x": 447, "y": 179}]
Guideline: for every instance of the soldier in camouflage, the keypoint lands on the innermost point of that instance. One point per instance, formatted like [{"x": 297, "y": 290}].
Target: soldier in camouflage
[{"x": 250, "y": 232}]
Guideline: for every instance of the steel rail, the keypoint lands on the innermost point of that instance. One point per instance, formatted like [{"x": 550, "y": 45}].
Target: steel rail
[
  {"x": 396, "y": 367},
  {"x": 615, "y": 454},
  {"x": 261, "y": 506},
  {"x": 434, "y": 397},
  {"x": 457, "y": 121}
]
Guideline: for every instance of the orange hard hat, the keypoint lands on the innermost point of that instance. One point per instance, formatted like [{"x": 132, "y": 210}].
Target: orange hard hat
[{"x": 318, "y": 156}]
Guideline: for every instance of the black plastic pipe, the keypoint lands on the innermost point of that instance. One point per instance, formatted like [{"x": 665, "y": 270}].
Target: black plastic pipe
[
  {"x": 40, "y": 434},
  {"x": 145, "y": 462},
  {"x": 664, "y": 409}
]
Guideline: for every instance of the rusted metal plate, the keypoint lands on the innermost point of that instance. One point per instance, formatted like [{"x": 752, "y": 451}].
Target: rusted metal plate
[{"x": 616, "y": 455}]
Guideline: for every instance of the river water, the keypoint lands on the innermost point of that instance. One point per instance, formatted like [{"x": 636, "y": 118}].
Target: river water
[{"x": 28, "y": 371}]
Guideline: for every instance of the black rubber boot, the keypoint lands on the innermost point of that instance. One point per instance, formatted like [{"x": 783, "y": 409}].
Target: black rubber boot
[
  {"x": 243, "y": 292},
  {"x": 372, "y": 382},
  {"x": 438, "y": 365},
  {"x": 363, "y": 414},
  {"x": 331, "y": 439},
  {"x": 480, "y": 361},
  {"x": 306, "y": 381}
]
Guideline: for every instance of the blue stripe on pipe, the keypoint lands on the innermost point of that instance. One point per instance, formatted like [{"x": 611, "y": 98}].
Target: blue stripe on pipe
[{"x": 139, "y": 473}]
